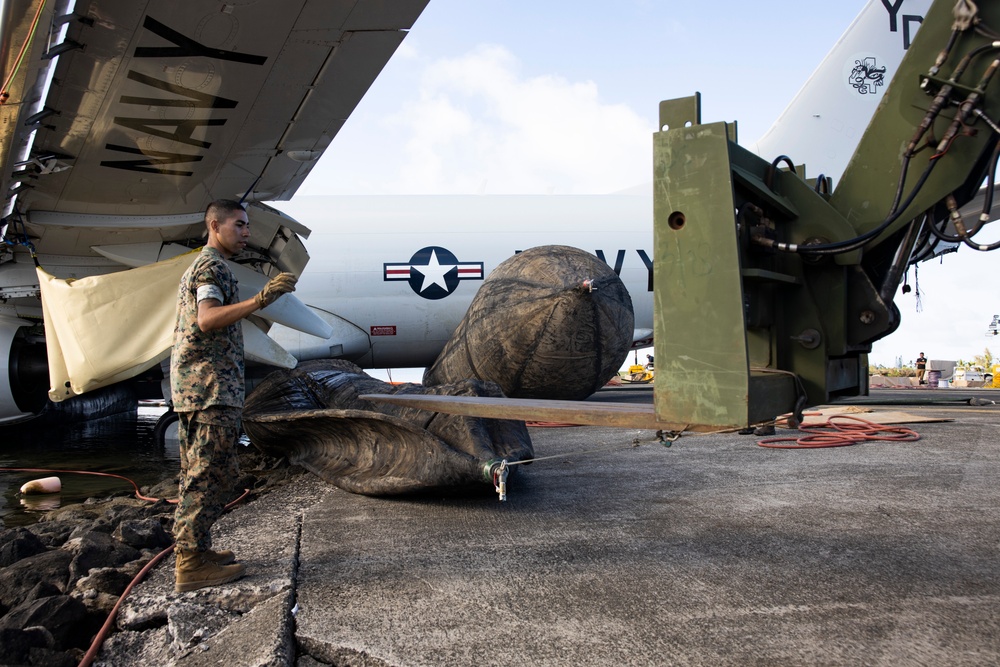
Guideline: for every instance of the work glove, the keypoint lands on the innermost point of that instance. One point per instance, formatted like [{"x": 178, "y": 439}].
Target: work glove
[{"x": 283, "y": 283}]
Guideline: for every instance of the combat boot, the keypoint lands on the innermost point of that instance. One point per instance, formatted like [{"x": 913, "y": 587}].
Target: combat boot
[
  {"x": 194, "y": 571},
  {"x": 222, "y": 557}
]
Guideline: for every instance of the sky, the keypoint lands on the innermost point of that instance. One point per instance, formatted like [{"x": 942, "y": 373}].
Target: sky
[{"x": 560, "y": 97}]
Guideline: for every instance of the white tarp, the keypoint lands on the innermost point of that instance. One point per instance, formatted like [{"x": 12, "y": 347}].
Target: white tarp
[{"x": 104, "y": 329}]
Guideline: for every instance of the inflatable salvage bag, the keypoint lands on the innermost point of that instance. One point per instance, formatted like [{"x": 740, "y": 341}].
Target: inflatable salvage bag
[
  {"x": 312, "y": 416},
  {"x": 552, "y": 322}
]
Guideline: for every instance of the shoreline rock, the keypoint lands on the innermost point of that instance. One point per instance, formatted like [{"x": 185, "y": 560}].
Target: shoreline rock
[{"x": 62, "y": 576}]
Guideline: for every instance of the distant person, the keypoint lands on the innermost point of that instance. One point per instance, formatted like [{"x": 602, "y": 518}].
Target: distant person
[
  {"x": 921, "y": 368},
  {"x": 206, "y": 382},
  {"x": 649, "y": 361}
]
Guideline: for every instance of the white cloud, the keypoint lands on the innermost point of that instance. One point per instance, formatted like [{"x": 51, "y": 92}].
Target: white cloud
[
  {"x": 406, "y": 51},
  {"x": 478, "y": 126}
]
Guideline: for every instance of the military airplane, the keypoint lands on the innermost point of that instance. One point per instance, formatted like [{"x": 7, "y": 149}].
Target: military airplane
[{"x": 122, "y": 120}]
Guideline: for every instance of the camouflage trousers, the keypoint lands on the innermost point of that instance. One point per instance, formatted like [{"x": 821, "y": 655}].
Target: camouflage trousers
[{"x": 209, "y": 469}]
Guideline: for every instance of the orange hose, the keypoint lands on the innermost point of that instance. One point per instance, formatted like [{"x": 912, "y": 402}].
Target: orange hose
[
  {"x": 832, "y": 434},
  {"x": 95, "y": 645},
  {"x": 102, "y": 634}
]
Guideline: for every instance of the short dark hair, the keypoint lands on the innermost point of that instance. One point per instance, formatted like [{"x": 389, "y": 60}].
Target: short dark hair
[{"x": 222, "y": 208}]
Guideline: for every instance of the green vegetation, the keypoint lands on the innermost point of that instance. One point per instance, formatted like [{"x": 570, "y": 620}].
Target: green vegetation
[
  {"x": 984, "y": 361},
  {"x": 886, "y": 371}
]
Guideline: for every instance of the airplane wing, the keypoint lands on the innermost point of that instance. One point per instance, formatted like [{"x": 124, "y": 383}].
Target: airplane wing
[
  {"x": 121, "y": 120},
  {"x": 158, "y": 108}
]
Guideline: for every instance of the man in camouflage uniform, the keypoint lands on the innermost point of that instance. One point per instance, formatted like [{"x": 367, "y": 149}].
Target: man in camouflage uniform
[{"x": 206, "y": 376}]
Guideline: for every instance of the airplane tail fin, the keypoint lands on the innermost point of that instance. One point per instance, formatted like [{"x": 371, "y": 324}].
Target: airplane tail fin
[{"x": 824, "y": 122}]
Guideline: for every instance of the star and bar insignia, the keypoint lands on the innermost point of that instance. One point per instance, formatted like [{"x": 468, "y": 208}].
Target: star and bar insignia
[{"x": 433, "y": 272}]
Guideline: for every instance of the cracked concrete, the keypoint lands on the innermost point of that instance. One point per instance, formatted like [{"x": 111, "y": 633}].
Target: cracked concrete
[
  {"x": 258, "y": 628},
  {"x": 712, "y": 552}
]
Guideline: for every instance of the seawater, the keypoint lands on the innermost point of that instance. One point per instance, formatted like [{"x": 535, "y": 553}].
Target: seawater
[{"x": 122, "y": 444}]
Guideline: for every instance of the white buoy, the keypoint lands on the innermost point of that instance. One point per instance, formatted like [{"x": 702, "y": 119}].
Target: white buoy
[{"x": 44, "y": 485}]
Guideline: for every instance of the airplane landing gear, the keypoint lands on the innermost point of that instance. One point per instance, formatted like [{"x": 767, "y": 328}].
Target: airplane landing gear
[{"x": 165, "y": 430}]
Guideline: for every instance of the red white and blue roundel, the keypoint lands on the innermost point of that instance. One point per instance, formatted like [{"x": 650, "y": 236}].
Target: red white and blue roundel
[{"x": 433, "y": 272}]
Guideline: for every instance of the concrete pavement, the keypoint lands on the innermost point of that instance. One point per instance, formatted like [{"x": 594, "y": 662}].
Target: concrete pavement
[{"x": 714, "y": 551}]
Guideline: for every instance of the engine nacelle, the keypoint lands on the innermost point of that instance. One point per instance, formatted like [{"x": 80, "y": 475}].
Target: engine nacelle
[{"x": 24, "y": 374}]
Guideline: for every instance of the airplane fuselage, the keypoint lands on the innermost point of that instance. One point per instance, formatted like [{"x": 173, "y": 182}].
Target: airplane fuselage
[{"x": 403, "y": 269}]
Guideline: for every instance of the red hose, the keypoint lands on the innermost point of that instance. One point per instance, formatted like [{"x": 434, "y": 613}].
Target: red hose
[
  {"x": 138, "y": 494},
  {"x": 99, "y": 638},
  {"x": 102, "y": 634},
  {"x": 831, "y": 434},
  {"x": 95, "y": 645}
]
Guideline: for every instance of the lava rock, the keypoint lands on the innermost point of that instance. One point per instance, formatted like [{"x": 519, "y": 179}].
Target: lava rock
[
  {"x": 17, "y": 544},
  {"x": 39, "y": 575},
  {"x": 97, "y": 549},
  {"x": 142, "y": 534},
  {"x": 52, "y": 534},
  {"x": 109, "y": 580},
  {"x": 16, "y": 643},
  {"x": 43, "y": 657},
  {"x": 63, "y": 616}
]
